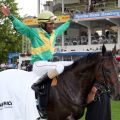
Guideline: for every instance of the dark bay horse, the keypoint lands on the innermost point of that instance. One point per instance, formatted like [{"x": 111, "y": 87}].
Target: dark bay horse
[{"x": 67, "y": 100}]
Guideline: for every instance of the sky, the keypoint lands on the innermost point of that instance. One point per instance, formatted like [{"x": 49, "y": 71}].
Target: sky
[{"x": 27, "y": 7}]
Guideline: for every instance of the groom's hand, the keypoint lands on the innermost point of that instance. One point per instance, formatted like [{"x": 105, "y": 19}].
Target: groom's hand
[{"x": 91, "y": 95}]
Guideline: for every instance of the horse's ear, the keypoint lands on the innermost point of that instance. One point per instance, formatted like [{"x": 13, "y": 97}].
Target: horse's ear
[
  {"x": 103, "y": 49},
  {"x": 114, "y": 51}
]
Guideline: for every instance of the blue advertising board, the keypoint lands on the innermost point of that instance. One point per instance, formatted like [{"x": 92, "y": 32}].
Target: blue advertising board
[
  {"x": 113, "y": 13},
  {"x": 82, "y": 53}
]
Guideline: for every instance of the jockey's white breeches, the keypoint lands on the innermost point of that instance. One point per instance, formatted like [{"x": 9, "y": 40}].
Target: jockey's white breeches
[{"x": 51, "y": 68}]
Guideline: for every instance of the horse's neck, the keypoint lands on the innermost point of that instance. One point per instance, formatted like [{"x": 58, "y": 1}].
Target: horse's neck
[
  {"x": 76, "y": 81},
  {"x": 71, "y": 88},
  {"x": 84, "y": 82}
]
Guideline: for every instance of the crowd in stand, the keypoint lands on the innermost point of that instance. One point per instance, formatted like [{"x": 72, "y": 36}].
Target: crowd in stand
[
  {"x": 108, "y": 38},
  {"x": 95, "y": 6}
]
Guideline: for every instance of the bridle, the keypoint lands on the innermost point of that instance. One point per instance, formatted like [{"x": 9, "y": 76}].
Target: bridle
[{"x": 103, "y": 86}]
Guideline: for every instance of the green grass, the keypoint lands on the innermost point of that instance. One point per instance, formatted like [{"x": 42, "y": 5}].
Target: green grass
[{"x": 115, "y": 108}]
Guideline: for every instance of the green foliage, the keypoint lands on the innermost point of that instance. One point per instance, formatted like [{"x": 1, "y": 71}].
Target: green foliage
[{"x": 10, "y": 40}]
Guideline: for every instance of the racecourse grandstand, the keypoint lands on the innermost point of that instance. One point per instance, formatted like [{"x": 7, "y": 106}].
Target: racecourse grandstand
[{"x": 96, "y": 22}]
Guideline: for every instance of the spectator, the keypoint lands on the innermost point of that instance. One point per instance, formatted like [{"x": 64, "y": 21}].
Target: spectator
[
  {"x": 91, "y": 8},
  {"x": 86, "y": 8}
]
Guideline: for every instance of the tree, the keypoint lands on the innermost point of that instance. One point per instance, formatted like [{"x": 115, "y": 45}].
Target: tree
[{"x": 10, "y": 40}]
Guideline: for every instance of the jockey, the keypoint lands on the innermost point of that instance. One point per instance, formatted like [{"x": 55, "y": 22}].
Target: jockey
[{"x": 43, "y": 40}]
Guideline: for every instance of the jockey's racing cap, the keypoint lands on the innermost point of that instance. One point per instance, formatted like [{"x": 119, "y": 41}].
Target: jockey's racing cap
[{"x": 46, "y": 17}]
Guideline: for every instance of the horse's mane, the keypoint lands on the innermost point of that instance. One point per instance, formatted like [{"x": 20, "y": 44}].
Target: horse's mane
[
  {"x": 88, "y": 58},
  {"x": 109, "y": 54}
]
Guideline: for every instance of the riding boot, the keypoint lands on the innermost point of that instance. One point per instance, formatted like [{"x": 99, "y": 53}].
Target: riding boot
[
  {"x": 42, "y": 101},
  {"x": 42, "y": 95},
  {"x": 39, "y": 86},
  {"x": 43, "y": 84}
]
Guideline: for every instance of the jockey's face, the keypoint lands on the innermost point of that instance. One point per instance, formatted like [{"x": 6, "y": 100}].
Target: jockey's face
[{"x": 49, "y": 27}]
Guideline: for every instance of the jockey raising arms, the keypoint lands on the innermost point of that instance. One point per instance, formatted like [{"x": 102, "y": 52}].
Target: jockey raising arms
[{"x": 43, "y": 40}]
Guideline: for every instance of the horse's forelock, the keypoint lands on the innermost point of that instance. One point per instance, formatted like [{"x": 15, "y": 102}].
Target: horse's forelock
[{"x": 108, "y": 54}]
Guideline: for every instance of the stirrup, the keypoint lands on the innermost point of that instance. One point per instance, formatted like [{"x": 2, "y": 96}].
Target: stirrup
[
  {"x": 43, "y": 114},
  {"x": 41, "y": 119}
]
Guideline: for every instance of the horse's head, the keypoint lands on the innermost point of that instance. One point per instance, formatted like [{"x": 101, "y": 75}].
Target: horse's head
[{"x": 106, "y": 72}]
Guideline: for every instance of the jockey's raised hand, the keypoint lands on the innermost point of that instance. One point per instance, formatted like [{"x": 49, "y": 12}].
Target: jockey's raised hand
[{"x": 5, "y": 10}]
